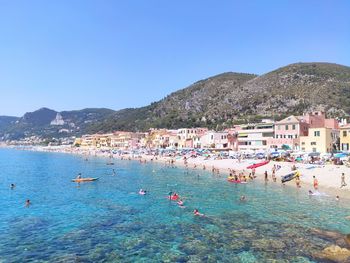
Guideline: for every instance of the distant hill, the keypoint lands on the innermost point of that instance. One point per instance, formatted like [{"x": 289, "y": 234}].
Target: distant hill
[
  {"x": 215, "y": 102},
  {"x": 228, "y": 98},
  {"x": 49, "y": 123}
]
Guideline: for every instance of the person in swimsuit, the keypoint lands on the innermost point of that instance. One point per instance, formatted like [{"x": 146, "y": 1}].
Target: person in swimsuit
[
  {"x": 315, "y": 183},
  {"x": 342, "y": 180}
]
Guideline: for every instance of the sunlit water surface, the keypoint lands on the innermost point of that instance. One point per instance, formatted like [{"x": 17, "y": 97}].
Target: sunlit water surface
[{"x": 108, "y": 221}]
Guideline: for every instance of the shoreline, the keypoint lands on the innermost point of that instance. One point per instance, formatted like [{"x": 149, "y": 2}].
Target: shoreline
[{"x": 329, "y": 175}]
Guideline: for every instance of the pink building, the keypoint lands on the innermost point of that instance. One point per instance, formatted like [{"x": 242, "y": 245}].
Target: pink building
[
  {"x": 287, "y": 133},
  {"x": 318, "y": 119},
  {"x": 232, "y": 136}
]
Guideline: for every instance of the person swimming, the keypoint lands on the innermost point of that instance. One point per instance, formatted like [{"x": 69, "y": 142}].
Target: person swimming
[
  {"x": 310, "y": 192},
  {"x": 142, "y": 192},
  {"x": 196, "y": 213},
  {"x": 175, "y": 197},
  {"x": 13, "y": 186},
  {"x": 337, "y": 198},
  {"x": 243, "y": 198},
  {"x": 78, "y": 176},
  {"x": 28, "y": 203}
]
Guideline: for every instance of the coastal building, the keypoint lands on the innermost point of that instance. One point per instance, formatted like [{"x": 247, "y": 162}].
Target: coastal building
[
  {"x": 186, "y": 136},
  {"x": 317, "y": 119},
  {"x": 252, "y": 137},
  {"x": 287, "y": 133},
  {"x": 345, "y": 138},
  {"x": 126, "y": 140},
  {"x": 88, "y": 141},
  {"x": 103, "y": 140},
  {"x": 212, "y": 139},
  {"x": 322, "y": 140}
]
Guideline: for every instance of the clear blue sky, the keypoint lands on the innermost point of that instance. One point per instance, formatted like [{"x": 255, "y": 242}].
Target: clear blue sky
[{"x": 71, "y": 54}]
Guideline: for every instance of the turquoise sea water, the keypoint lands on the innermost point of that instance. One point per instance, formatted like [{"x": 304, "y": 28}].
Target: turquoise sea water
[{"x": 107, "y": 221}]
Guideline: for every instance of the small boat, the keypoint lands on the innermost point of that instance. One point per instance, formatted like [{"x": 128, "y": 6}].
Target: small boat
[
  {"x": 288, "y": 177},
  {"x": 81, "y": 180},
  {"x": 256, "y": 165}
]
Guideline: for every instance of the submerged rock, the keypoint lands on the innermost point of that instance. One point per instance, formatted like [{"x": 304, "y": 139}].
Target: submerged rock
[
  {"x": 335, "y": 254},
  {"x": 268, "y": 244}
]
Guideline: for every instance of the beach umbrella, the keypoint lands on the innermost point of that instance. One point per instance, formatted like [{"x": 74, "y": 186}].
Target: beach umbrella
[{"x": 340, "y": 155}]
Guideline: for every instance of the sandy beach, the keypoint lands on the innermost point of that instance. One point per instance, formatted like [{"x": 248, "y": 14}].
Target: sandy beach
[{"x": 328, "y": 175}]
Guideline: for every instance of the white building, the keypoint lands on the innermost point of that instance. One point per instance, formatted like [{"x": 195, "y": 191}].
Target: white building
[
  {"x": 212, "y": 139},
  {"x": 255, "y": 136}
]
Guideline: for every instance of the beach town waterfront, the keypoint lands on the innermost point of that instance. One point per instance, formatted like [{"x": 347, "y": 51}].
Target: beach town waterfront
[{"x": 108, "y": 221}]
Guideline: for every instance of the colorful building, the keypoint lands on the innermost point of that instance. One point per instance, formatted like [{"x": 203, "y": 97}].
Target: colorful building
[
  {"x": 345, "y": 138},
  {"x": 287, "y": 133},
  {"x": 322, "y": 140}
]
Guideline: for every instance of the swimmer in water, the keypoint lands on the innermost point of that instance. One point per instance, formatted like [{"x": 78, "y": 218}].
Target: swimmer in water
[
  {"x": 181, "y": 204},
  {"x": 13, "y": 186},
  {"x": 337, "y": 198},
  {"x": 28, "y": 203},
  {"x": 243, "y": 198},
  {"x": 142, "y": 192},
  {"x": 196, "y": 213},
  {"x": 310, "y": 192}
]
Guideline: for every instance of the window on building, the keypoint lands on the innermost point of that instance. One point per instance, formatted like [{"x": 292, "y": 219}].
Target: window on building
[
  {"x": 317, "y": 133},
  {"x": 278, "y": 127},
  {"x": 284, "y": 136},
  {"x": 303, "y": 143},
  {"x": 293, "y": 127},
  {"x": 303, "y": 148},
  {"x": 286, "y": 127},
  {"x": 345, "y": 133},
  {"x": 212, "y": 137},
  {"x": 313, "y": 143}
]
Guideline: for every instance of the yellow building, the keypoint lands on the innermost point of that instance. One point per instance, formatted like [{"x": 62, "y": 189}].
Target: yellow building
[
  {"x": 88, "y": 141},
  {"x": 320, "y": 140},
  {"x": 345, "y": 137},
  {"x": 77, "y": 141}
]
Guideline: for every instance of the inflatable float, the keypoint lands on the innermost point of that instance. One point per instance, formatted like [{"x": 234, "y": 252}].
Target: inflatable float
[
  {"x": 80, "y": 180},
  {"x": 256, "y": 165},
  {"x": 288, "y": 177}
]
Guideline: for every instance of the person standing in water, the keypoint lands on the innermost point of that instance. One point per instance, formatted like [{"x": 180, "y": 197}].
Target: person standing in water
[
  {"x": 274, "y": 175},
  {"x": 253, "y": 172},
  {"x": 266, "y": 176},
  {"x": 315, "y": 183},
  {"x": 343, "y": 180},
  {"x": 297, "y": 181}
]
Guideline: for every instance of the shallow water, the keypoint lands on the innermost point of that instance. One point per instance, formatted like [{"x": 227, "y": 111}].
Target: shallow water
[{"x": 107, "y": 221}]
